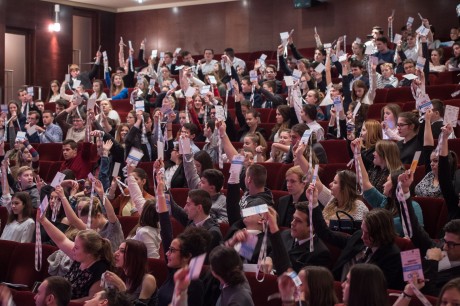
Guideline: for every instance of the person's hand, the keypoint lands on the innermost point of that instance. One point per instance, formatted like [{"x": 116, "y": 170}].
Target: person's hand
[
  {"x": 239, "y": 236},
  {"x": 426, "y": 23},
  {"x": 266, "y": 266},
  {"x": 446, "y": 130},
  {"x": 39, "y": 218},
  {"x": 107, "y": 146},
  {"x": 114, "y": 280},
  {"x": 98, "y": 54},
  {"x": 39, "y": 183},
  {"x": 300, "y": 149},
  {"x": 406, "y": 179},
  {"x": 260, "y": 149},
  {"x": 271, "y": 220},
  {"x": 96, "y": 133},
  {"x": 280, "y": 50},
  {"x": 312, "y": 192},
  {"x": 121, "y": 43},
  {"x": 171, "y": 117},
  {"x": 39, "y": 129},
  {"x": 434, "y": 254},
  {"x": 390, "y": 20},
  {"x": 139, "y": 115},
  {"x": 286, "y": 287},
  {"x": 222, "y": 127},
  {"x": 60, "y": 191},
  {"x": 428, "y": 115},
  {"x": 257, "y": 64},
  {"x": 160, "y": 182},
  {"x": 356, "y": 145},
  {"x": 5, "y": 295},
  {"x": 416, "y": 281},
  {"x": 130, "y": 168},
  {"x": 181, "y": 280},
  {"x": 99, "y": 188}
]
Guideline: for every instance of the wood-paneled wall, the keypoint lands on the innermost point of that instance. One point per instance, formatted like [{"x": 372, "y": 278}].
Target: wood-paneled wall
[
  {"x": 50, "y": 52},
  {"x": 256, "y": 25}
]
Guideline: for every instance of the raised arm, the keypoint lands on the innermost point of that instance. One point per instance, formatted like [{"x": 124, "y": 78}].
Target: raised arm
[
  {"x": 63, "y": 243},
  {"x": 111, "y": 216},
  {"x": 69, "y": 212},
  {"x": 229, "y": 149},
  {"x": 356, "y": 145}
]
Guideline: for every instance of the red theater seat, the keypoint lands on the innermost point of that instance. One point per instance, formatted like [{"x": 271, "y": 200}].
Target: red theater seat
[
  {"x": 327, "y": 172},
  {"x": 262, "y": 290},
  {"x": 127, "y": 224},
  {"x": 180, "y": 195},
  {"x": 400, "y": 94},
  {"x": 159, "y": 269},
  {"x": 336, "y": 150},
  {"x": 432, "y": 214}
]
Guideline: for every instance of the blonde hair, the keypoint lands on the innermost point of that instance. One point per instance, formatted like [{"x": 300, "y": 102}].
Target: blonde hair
[
  {"x": 374, "y": 133},
  {"x": 389, "y": 151}
]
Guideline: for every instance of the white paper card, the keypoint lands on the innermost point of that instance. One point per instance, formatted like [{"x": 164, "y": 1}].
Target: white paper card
[
  {"x": 343, "y": 58},
  {"x": 426, "y": 105},
  {"x": 30, "y": 91},
  {"x": 374, "y": 60},
  {"x": 451, "y": 115},
  {"x": 253, "y": 75},
  {"x": 358, "y": 40},
  {"x": 237, "y": 164},
  {"x": 184, "y": 145},
  {"x": 397, "y": 38},
  {"x": 284, "y": 35},
  {"x": 320, "y": 68},
  {"x": 369, "y": 50},
  {"x": 263, "y": 57},
  {"x": 162, "y": 55},
  {"x": 205, "y": 89},
  {"x": 296, "y": 74},
  {"x": 31, "y": 130},
  {"x": 134, "y": 156},
  {"x": 104, "y": 54},
  {"x": 334, "y": 58},
  {"x": 212, "y": 79},
  {"x": 338, "y": 104},
  {"x": 116, "y": 169},
  {"x": 177, "y": 50},
  {"x": 4, "y": 108},
  {"x": 67, "y": 78},
  {"x": 306, "y": 136},
  {"x": 220, "y": 113},
  {"x": 254, "y": 210},
  {"x": 130, "y": 45},
  {"x": 179, "y": 68},
  {"x": 315, "y": 174},
  {"x": 246, "y": 248},
  {"x": 248, "y": 268},
  {"x": 410, "y": 20},
  {"x": 410, "y": 76},
  {"x": 411, "y": 264},
  {"x": 91, "y": 103},
  {"x": 357, "y": 107},
  {"x": 160, "y": 150},
  {"x": 76, "y": 83},
  {"x": 57, "y": 180},
  {"x": 421, "y": 62},
  {"x": 43, "y": 206},
  {"x": 173, "y": 85},
  {"x": 20, "y": 136},
  {"x": 289, "y": 80},
  {"x": 154, "y": 53},
  {"x": 327, "y": 46},
  {"x": 140, "y": 105},
  {"x": 293, "y": 275},
  {"x": 195, "y": 266},
  {"x": 190, "y": 91}
]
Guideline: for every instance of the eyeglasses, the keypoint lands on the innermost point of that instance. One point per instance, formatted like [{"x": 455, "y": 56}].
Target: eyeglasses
[
  {"x": 402, "y": 124},
  {"x": 172, "y": 250},
  {"x": 87, "y": 187},
  {"x": 450, "y": 245}
]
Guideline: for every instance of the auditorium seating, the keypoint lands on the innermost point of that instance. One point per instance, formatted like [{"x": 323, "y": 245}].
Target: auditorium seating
[
  {"x": 434, "y": 214},
  {"x": 3, "y": 218}
]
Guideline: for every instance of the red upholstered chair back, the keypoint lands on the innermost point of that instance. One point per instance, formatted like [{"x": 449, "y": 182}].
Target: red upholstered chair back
[{"x": 262, "y": 290}]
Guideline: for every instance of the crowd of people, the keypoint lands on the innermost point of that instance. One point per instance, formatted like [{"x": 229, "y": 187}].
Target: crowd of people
[{"x": 79, "y": 211}]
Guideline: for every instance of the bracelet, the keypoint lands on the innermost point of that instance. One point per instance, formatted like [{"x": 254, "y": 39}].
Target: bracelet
[{"x": 407, "y": 296}]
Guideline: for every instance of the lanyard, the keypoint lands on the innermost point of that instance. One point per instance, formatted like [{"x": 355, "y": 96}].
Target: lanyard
[
  {"x": 405, "y": 219},
  {"x": 359, "y": 175},
  {"x": 262, "y": 254},
  {"x": 88, "y": 222}
]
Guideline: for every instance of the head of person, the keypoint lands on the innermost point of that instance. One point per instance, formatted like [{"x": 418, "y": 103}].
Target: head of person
[
  {"x": 131, "y": 259},
  {"x": 453, "y": 34},
  {"x": 320, "y": 54},
  {"x": 141, "y": 178},
  {"x": 226, "y": 266},
  {"x": 13, "y": 108},
  {"x": 61, "y": 105},
  {"x": 54, "y": 87},
  {"x": 297, "y": 131},
  {"x": 408, "y": 124},
  {"x": 294, "y": 180},
  {"x": 81, "y": 203},
  {"x": 409, "y": 66},
  {"x": 377, "y": 32},
  {"x": 21, "y": 207},
  {"x": 308, "y": 113},
  {"x": 198, "y": 204},
  {"x": 284, "y": 136},
  {"x": 252, "y": 118},
  {"x": 97, "y": 217},
  {"x": 438, "y": 109},
  {"x": 252, "y": 140},
  {"x": 202, "y": 161},
  {"x": 186, "y": 57},
  {"x": 193, "y": 241},
  {"x": 456, "y": 49},
  {"x": 22, "y": 95},
  {"x": 78, "y": 122},
  {"x": 386, "y": 155},
  {"x": 245, "y": 106},
  {"x": 109, "y": 297},
  {"x": 411, "y": 39},
  {"x": 359, "y": 90},
  {"x": 69, "y": 149},
  {"x": 246, "y": 84},
  {"x": 313, "y": 97},
  {"x": 436, "y": 56},
  {"x": 168, "y": 57},
  {"x": 450, "y": 293},
  {"x": 54, "y": 201},
  {"x": 318, "y": 285},
  {"x": 256, "y": 176},
  {"x": 357, "y": 48},
  {"x": 90, "y": 246},
  {"x": 356, "y": 68},
  {"x": 25, "y": 177},
  {"x": 54, "y": 290},
  {"x": 270, "y": 72},
  {"x": 212, "y": 181},
  {"x": 131, "y": 118},
  {"x": 365, "y": 276},
  {"x": 189, "y": 130},
  {"x": 198, "y": 102},
  {"x": 387, "y": 70},
  {"x": 378, "y": 228},
  {"x": 300, "y": 224},
  {"x": 343, "y": 188},
  {"x": 371, "y": 132},
  {"x": 117, "y": 82},
  {"x": 381, "y": 44},
  {"x": 451, "y": 240},
  {"x": 269, "y": 86},
  {"x": 208, "y": 54},
  {"x": 74, "y": 70},
  {"x": 40, "y": 105},
  {"x": 98, "y": 87},
  {"x": 389, "y": 114},
  {"x": 33, "y": 117},
  {"x": 106, "y": 106}
]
